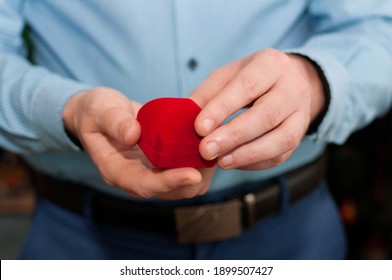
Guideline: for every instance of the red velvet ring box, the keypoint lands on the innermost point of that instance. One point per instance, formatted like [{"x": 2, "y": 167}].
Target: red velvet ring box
[{"x": 168, "y": 137}]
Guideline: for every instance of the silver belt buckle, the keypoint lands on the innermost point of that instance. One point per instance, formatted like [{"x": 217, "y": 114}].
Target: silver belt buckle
[{"x": 205, "y": 223}]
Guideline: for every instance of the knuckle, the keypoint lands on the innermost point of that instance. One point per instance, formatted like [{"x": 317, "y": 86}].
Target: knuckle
[
  {"x": 143, "y": 189},
  {"x": 236, "y": 136},
  {"x": 250, "y": 86},
  {"x": 142, "y": 192},
  {"x": 274, "y": 56},
  {"x": 273, "y": 162},
  {"x": 291, "y": 140},
  {"x": 226, "y": 108},
  {"x": 276, "y": 161},
  {"x": 272, "y": 116},
  {"x": 252, "y": 156}
]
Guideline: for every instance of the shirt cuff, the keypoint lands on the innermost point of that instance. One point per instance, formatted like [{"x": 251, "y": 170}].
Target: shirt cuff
[
  {"x": 338, "y": 81},
  {"x": 47, "y": 108}
]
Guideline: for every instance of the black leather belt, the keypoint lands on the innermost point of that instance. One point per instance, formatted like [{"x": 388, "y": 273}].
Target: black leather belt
[{"x": 191, "y": 224}]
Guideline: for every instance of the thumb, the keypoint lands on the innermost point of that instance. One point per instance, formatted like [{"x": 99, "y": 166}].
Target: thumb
[{"x": 120, "y": 125}]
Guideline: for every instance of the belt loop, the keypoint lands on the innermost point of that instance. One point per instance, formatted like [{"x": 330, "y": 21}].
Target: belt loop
[
  {"x": 250, "y": 204},
  {"x": 284, "y": 198}
]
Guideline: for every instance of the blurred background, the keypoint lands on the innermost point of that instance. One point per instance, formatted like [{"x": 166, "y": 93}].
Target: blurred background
[
  {"x": 359, "y": 174},
  {"x": 360, "y": 177}
]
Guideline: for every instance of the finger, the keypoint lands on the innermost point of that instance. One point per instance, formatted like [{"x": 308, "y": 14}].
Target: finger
[
  {"x": 266, "y": 113},
  {"x": 285, "y": 138},
  {"x": 129, "y": 173},
  {"x": 148, "y": 183},
  {"x": 215, "y": 82},
  {"x": 192, "y": 191},
  {"x": 270, "y": 163},
  {"x": 168, "y": 183},
  {"x": 123, "y": 167},
  {"x": 181, "y": 193},
  {"x": 207, "y": 174},
  {"x": 252, "y": 81},
  {"x": 120, "y": 125}
]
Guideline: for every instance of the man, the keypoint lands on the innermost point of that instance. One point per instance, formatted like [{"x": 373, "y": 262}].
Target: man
[{"x": 276, "y": 80}]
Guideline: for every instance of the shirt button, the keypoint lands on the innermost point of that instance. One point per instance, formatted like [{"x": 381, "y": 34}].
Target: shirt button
[{"x": 192, "y": 64}]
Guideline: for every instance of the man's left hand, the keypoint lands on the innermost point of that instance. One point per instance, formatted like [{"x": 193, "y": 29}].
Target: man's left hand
[{"x": 282, "y": 94}]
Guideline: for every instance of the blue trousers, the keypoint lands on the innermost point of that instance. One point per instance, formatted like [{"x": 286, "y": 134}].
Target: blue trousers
[{"x": 309, "y": 229}]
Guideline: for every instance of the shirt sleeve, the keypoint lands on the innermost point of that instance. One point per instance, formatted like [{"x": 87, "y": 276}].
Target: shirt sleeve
[
  {"x": 31, "y": 98},
  {"x": 351, "y": 45}
]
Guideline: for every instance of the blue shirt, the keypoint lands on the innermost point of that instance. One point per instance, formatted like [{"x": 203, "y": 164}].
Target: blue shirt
[{"x": 143, "y": 49}]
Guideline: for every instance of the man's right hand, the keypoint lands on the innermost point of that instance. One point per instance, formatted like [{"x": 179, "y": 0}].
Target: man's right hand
[{"x": 104, "y": 120}]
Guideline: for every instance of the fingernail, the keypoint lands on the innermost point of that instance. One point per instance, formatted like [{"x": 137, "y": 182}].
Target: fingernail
[
  {"x": 212, "y": 149},
  {"x": 207, "y": 125},
  {"x": 227, "y": 161}
]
